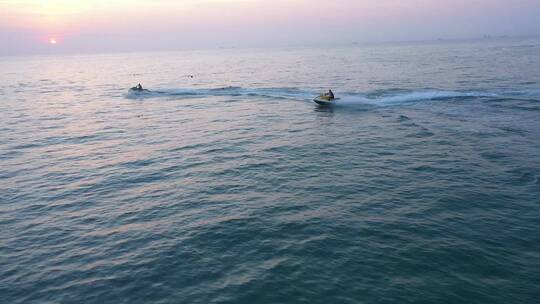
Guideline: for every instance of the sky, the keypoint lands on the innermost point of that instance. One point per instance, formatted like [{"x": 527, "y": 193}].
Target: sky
[{"x": 64, "y": 26}]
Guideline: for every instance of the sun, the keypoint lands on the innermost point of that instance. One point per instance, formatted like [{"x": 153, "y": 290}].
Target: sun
[{"x": 53, "y": 41}]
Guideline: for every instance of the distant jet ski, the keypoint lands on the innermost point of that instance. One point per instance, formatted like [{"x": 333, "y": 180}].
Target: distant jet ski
[
  {"x": 326, "y": 99},
  {"x": 138, "y": 88}
]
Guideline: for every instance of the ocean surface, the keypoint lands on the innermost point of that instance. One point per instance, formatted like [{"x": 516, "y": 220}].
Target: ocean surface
[{"x": 226, "y": 184}]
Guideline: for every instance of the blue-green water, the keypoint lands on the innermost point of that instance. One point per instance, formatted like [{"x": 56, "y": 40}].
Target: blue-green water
[{"x": 421, "y": 185}]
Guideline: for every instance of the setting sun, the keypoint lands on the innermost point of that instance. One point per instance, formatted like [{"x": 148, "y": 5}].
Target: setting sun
[{"x": 52, "y": 41}]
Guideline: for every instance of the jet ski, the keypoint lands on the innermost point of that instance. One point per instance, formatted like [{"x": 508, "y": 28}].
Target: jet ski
[
  {"x": 324, "y": 100},
  {"x": 138, "y": 90}
]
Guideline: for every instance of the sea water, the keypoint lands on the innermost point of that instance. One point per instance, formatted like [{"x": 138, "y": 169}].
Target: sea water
[{"x": 226, "y": 184}]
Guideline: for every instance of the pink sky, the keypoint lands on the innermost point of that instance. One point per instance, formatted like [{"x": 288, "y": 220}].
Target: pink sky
[{"x": 27, "y": 26}]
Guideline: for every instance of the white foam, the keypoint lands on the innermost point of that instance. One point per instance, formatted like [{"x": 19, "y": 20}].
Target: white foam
[{"x": 407, "y": 97}]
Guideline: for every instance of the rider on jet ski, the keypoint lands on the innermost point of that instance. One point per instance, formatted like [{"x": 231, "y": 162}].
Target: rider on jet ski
[
  {"x": 330, "y": 94},
  {"x": 138, "y": 88}
]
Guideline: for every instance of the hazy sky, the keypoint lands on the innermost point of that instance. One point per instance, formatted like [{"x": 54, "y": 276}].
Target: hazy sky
[{"x": 35, "y": 26}]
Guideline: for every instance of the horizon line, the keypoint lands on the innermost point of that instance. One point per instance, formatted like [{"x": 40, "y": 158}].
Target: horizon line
[{"x": 486, "y": 37}]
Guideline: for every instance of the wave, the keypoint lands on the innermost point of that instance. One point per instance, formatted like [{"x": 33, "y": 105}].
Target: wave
[{"x": 377, "y": 98}]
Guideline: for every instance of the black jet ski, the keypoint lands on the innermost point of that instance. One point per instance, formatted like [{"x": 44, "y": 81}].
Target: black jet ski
[{"x": 138, "y": 90}]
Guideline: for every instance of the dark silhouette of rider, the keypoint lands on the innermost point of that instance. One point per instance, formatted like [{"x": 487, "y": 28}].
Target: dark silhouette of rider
[{"x": 330, "y": 94}]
